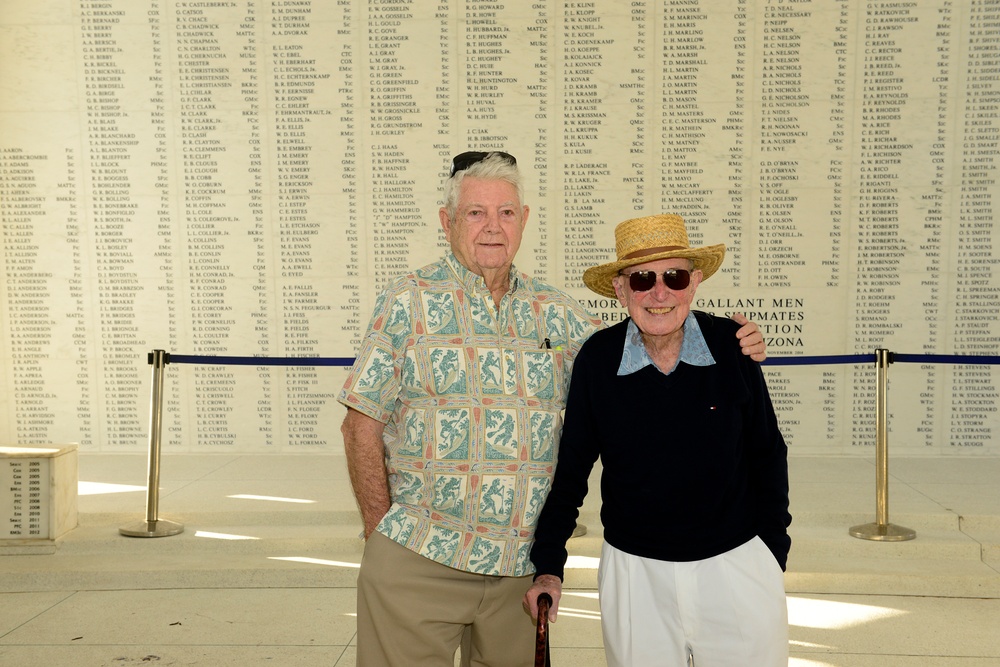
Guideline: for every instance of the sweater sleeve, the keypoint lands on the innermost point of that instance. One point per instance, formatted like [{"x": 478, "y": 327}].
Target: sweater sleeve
[
  {"x": 578, "y": 451},
  {"x": 765, "y": 450},
  {"x": 768, "y": 466}
]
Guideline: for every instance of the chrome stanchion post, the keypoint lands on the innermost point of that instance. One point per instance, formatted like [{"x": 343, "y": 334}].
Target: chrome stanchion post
[
  {"x": 882, "y": 530},
  {"x": 153, "y": 526}
]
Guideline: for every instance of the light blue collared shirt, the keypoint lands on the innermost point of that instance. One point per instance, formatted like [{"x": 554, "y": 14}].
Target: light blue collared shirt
[{"x": 694, "y": 349}]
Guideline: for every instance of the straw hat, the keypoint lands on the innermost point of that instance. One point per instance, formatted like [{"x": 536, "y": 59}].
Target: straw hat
[{"x": 648, "y": 239}]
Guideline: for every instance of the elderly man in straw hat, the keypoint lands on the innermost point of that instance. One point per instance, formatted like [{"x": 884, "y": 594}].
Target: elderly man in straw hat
[{"x": 695, "y": 477}]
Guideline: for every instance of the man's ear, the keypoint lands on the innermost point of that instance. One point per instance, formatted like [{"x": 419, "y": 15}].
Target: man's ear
[
  {"x": 696, "y": 277},
  {"x": 445, "y": 222},
  {"x": 618, "y": 282}
]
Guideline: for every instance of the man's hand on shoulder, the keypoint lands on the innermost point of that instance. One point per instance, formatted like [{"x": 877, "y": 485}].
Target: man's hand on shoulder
[{"x": 751, "y": 339}]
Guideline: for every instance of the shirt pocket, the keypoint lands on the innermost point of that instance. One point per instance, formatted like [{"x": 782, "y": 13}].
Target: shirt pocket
[{"x": 538, "y": 374}]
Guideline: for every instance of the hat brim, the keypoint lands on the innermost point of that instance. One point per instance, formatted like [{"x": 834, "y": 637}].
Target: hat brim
[{"x": 707, "y": 260}]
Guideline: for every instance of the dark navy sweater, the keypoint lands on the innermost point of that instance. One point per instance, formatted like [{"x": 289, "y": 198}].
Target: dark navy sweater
[{"x": 693, "y": 462}]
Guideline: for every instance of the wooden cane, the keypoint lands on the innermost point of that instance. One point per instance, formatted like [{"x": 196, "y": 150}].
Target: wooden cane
[{"x": 542, "y": 632}]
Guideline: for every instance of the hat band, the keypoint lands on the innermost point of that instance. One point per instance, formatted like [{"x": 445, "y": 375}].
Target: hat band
[{"x": 645, "y": 252}]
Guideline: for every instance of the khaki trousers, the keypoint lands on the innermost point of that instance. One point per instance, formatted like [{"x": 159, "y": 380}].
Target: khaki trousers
[{"x": 414, "y": 612}]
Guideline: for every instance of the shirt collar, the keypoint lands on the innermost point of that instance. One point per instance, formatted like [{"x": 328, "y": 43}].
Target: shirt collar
[
  {"x": 474, "y": 282},
  {"x": 694, "y": 349}
]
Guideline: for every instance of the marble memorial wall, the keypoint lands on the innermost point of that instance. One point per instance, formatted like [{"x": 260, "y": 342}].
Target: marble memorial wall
[{"x": 241, "y": 178}]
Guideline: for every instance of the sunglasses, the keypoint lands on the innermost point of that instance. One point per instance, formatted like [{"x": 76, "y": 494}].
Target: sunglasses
[
  {"x": 643, "y": 281},
  {"x": 463, "y": 161}
]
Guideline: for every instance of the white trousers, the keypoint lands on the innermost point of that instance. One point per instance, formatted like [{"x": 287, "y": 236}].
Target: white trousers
[{"x": 725, "y": 611}]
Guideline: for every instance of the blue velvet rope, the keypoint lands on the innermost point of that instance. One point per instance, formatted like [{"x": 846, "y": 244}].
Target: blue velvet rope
[
  {"x": 828, "y": 359},
  {"x": 770, "y": 361},
  {"x": 893, "y": 358},
  {"x": 944, "y": 358}
]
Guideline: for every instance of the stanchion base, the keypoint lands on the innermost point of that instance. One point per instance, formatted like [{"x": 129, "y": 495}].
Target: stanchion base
[
  {"x": 882, "y": 532},
  {"x": 159, "y": 528}
]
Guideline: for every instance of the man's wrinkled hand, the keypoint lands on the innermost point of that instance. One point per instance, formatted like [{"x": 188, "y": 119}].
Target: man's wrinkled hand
[
  {"x": 751, "y": 339},
  {"x": 544, "y": 583}
]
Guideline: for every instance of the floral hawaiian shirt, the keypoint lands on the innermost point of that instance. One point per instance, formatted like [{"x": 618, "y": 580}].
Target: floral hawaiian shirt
[{"x": 471, "y": 397}]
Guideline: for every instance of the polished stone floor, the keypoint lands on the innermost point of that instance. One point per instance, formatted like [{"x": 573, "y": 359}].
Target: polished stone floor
[{"x": 264, "y": 571}]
